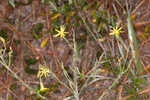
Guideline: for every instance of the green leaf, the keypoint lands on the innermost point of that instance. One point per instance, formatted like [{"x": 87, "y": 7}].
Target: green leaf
[
  {"x": 37, "y": 29},
  {"x": 134, "y": 44},
  {"x": 29, "y": 70},
  {"x": 4, "y": 33},
  {"x": 30, "y": 61},
  {"x": 13, "y": 86},
  {"x": 53, "y": 5}
]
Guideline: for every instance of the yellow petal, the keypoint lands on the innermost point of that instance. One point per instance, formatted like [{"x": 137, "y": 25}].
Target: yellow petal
[
  {"x": 66, "y": 32},
  {"x": 11, "y": 51},
  {"x": 94, "y": 20},
  {"x": 112, "y": 33},
  {"x": 44, "y": 89},
  {"x": 62, "y": 28},
  {"x": 104, "y": 70},
  {"x": 2, "y": 39},
  {"x": 57, "y": 30},
  {"x": 44, "y": 42},
  {"x": 55, "y": 16},
  {"x": 56, "y": 35}
]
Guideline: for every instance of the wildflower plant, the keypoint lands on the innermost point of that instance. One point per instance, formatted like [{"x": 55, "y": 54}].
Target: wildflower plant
[
  {"x": 116, "y": 31},
  {"x": 61, "y": 32},
  {"x": 7, "y": 63},
  {"x": 4, "y": 61},
  {"x": 43, "y": 72}
]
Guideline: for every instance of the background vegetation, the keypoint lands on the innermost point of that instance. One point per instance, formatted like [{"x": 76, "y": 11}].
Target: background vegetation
[{"x": 74, "y": 49}]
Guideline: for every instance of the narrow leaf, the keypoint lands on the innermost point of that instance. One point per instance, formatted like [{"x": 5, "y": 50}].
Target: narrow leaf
[
  {"x": 12, "y": 3},
  {"x": 53, "y": 5},
  {"x": 133, "y": 43}
]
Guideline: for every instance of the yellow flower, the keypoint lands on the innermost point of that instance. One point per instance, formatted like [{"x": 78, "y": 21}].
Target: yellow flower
[
  {"x": 43, "y": 71},
  {"x": 116, "y": 31},
  {"x": 61, "y": 33},
  {"x": 94, "y": 20},
  {"x": 44, "y": 89},
  {"x": 2, "y": 39}
]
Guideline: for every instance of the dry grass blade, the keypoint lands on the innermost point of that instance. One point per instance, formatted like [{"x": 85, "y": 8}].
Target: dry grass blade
[
  {"x": 141, "y": 23},
  {"x": 117, "y": 14},
  {"x": 137, "y": 7}
]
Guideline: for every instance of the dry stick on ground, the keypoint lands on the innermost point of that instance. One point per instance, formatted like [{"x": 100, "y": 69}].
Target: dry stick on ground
[
  {"x": 7, "y": 26},
  {"x": 5, "y": 86},
  {"x": 141, "y": 23},
  {"x": 19, "y": 47},
  {"x": 141, "y": 45},
  {"x": 33, "y": 11},
  {"x": 147, "y": 67},
  {"x": 117, "y": 14},
  {"x": 1, "y": 16},
  {"x": 35, "y": 51},
  {"x": 148, "y": 40},
  {"x": 109, "y": 8},
  {"x": 147, "y": 14},
  {"x": 26, "y": 18},
  {"x": 121, "y": 87},
  {"x": 4, "y": 7},
  {"x": 137, "y": 7},
  {"x": 15, "y": 95},
  {"x": 121, "y": 6},
  {"x": 67, "y": 93}
]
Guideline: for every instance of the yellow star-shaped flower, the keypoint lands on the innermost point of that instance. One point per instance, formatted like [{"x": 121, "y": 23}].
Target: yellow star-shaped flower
[
  {"x": 61, "y": 32},
  {"x": 44, "y": 89},
  {"x": 43, "y": 71},
  {"x": 116, "y": 31}
]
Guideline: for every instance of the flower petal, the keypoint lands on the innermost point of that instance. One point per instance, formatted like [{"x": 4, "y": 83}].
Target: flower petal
[
  {"x": 56, "y": 35},
  {"x": 112, "y": 33}
]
